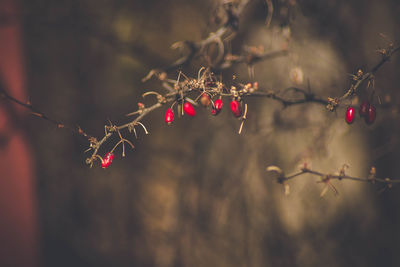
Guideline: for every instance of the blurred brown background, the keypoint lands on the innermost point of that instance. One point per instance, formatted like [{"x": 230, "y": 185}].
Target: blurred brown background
[{"x": 196, "y": 193}]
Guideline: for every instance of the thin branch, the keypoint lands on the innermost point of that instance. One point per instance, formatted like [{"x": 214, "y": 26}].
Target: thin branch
[
  {"x": 361, "y": 77},
  {"x": 36, "y": 112},
  {"x": 183, "y": 90},
  {"x": 115, "y": 129},
  {"x": 327, "y": 177},
  {"x": 308, "y": 97},
  {"x": 270, "y": 7}
]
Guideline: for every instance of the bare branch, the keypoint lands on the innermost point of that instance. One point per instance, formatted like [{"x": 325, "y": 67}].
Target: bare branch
[
  {"x": 327, "y": 177},
  {"x": 36, "y": 112},
  {"x": 360, "y": 77}
]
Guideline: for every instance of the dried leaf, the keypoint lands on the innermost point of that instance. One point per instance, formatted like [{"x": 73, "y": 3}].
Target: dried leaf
[
  {"x": 324, "y": 190},
  {"x": 286, "y": 188},
  {"x": 276, "y": 169}
]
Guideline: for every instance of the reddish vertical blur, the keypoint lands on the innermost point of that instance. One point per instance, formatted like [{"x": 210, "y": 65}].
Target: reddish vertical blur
[{"x": 18, "y": 227}]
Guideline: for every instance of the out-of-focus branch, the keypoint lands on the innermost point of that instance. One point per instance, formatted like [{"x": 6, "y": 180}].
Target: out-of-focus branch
[
  {"x": 270, "y": 7},
  {"x": 233, "y": 10},
  {"x": 326, "y": 178},
  {"x": 308, "y": 97},
  {"x": 249, "y": 58},
  {"x": 36, "y": 112}
]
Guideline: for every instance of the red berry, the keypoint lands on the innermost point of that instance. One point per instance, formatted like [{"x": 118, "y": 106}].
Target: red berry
[
  {"x": 217, "y": 107},
  {"x": 169, "y": 116},
  {"x": 205, "y": 100},
  {"x": 236, "y": 108},
  {"x": 218, "y": 104},
  {"x": 189, "y": 109},
  {"x": 350, "y": 114},
  {"x": 371, "y": 116},
  {"x": 364, "y": 108},
  {"x": 107, "y": 160}
]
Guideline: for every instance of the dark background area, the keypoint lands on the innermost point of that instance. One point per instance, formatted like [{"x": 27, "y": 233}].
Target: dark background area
[{"x": 196, "y": 193}]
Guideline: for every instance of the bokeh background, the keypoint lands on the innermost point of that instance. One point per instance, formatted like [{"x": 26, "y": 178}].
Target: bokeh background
[{"x": 196, "y": 193}]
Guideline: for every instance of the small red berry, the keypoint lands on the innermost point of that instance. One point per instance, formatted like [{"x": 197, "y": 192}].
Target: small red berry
[
  {"x": 236, "y": 108},
  {"x": 217, "y": 107},
  {"x": 350, "y": 114},
  {"x": 189, "y": 109},
  {"x": 218, "y": 104},
  {"x": 169, "y": 116},
  {"x": 205, "y": 100},
  {"x": 107, "y": 160},
  {"x": 364, "y": 108},
  {"x": 371, "y": 116}
]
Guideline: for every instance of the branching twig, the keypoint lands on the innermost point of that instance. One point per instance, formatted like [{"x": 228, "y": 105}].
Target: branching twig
[
  {"x": 115, "y": 129},
  {"x": 206, "y": 83},
  {"x": 180, "y": 91},
  {"x": 361, "y": 77},
  {"x": 327, "y": 178}
]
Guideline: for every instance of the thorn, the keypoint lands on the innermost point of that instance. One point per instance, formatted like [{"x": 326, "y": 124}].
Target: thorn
[{"x": 37, "y": 114}]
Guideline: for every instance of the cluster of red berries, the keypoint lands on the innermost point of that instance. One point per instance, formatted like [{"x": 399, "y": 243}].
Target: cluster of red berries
[
  {"x": 236, "y": 108},
  {"x": 366, "y": 111}
]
